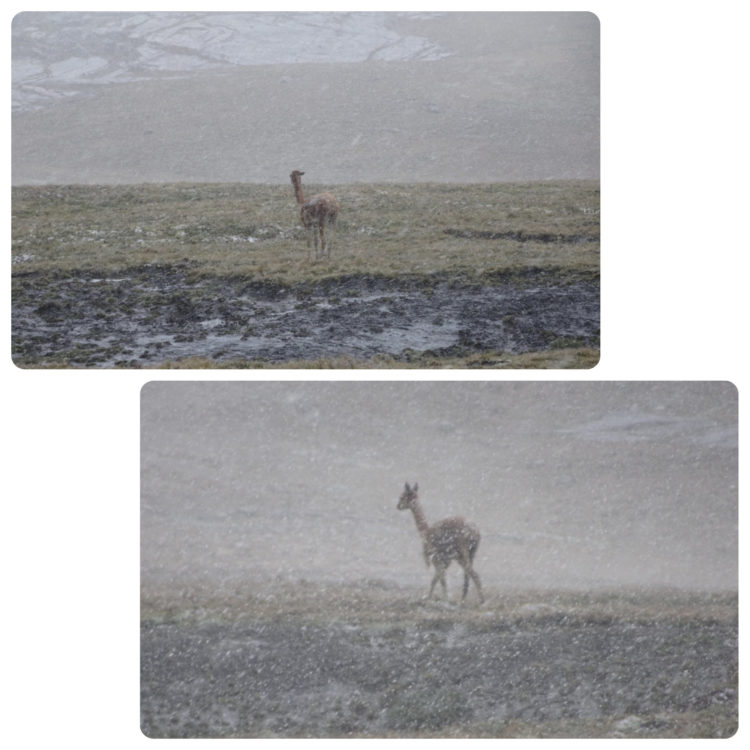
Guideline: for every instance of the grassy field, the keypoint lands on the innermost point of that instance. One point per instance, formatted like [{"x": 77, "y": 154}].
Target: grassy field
[
  {"x": 254, "y": 229},
  {"x": 414, "y": 235}
]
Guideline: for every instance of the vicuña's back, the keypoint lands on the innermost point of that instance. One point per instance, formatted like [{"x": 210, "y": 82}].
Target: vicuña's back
[
  {"x": 447, "y": 540},
  {"x": 453, "y": 537}
]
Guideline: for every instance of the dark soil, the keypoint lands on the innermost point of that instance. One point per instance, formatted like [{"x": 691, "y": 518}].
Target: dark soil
[
  {"x": 558, "y": 674},
  {"x": 153, "y": 314},
  {"x": 545, "y": 237}
]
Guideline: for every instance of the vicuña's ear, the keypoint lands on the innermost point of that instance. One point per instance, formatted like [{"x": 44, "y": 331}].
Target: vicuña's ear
[{"x": 406, "y": 487}]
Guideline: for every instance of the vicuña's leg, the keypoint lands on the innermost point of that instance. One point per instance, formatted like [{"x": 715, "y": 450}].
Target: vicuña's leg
[
  {"x": 331, "y": 233},
  {"x": 442, "y": 583},
  {"x": 474, "y": 577},
  {"x": 321, "y": 229},
  {"x": 439, "y": 576}
]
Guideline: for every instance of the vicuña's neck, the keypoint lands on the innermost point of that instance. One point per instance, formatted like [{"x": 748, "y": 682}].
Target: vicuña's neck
[
  {"x": 422, "y": 526},
  {"x": 298, "y": 191}
]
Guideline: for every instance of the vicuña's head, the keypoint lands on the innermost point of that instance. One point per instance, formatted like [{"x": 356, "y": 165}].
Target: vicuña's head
[
  {"x": 408, "y": 496},
  {"x": 296, "y": 174}
]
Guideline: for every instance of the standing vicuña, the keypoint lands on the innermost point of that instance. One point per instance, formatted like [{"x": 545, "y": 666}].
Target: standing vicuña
[
  {"x": 451, "y": 539},
  {"x": 316, "y": 212}
]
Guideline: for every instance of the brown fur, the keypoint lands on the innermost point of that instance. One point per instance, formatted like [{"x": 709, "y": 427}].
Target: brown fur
[
  {"x": 316, "y": 213},
  {"x": 451, "y": 539}
]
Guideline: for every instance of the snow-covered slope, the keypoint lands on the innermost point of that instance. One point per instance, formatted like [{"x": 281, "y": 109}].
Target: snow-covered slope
[{"x": 347, "y": 97}]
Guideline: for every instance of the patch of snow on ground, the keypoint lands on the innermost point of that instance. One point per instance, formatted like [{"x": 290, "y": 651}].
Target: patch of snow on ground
[{"x": 130, "y": 46}]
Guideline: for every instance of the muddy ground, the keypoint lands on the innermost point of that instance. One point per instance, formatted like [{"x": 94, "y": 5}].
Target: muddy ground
[
  {"x": 381, "y": 661},
  {"x": 153, "y": 314}
]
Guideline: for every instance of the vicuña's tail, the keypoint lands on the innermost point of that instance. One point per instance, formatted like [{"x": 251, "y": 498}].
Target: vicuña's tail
[{"x": 473, "y": 547}]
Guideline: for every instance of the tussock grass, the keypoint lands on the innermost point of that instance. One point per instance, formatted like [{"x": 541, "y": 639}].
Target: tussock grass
[
  {"x": 254, "y": 230},
  {"x": 562, "y": 358},
  {"x": 376, "y": 602}
]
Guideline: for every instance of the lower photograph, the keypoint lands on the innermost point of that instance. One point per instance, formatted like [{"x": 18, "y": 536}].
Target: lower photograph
[{"x": 399, "y": 559}]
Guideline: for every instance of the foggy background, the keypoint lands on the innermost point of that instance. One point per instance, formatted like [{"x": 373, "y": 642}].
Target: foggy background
[
  {"x": 347, "y": 97},
  {"x": 573, "y": 485}
]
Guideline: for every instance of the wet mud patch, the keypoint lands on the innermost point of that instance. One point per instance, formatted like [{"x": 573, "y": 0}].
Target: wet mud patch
[{"x": 146, "y": 316}]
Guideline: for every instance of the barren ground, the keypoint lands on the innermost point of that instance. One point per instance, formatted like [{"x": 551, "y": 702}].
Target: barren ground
[{"x": 377, "y": 660}]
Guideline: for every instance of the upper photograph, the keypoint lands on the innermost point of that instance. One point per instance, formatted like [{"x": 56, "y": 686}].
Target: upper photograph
[{"x": 305, "y": 190}]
